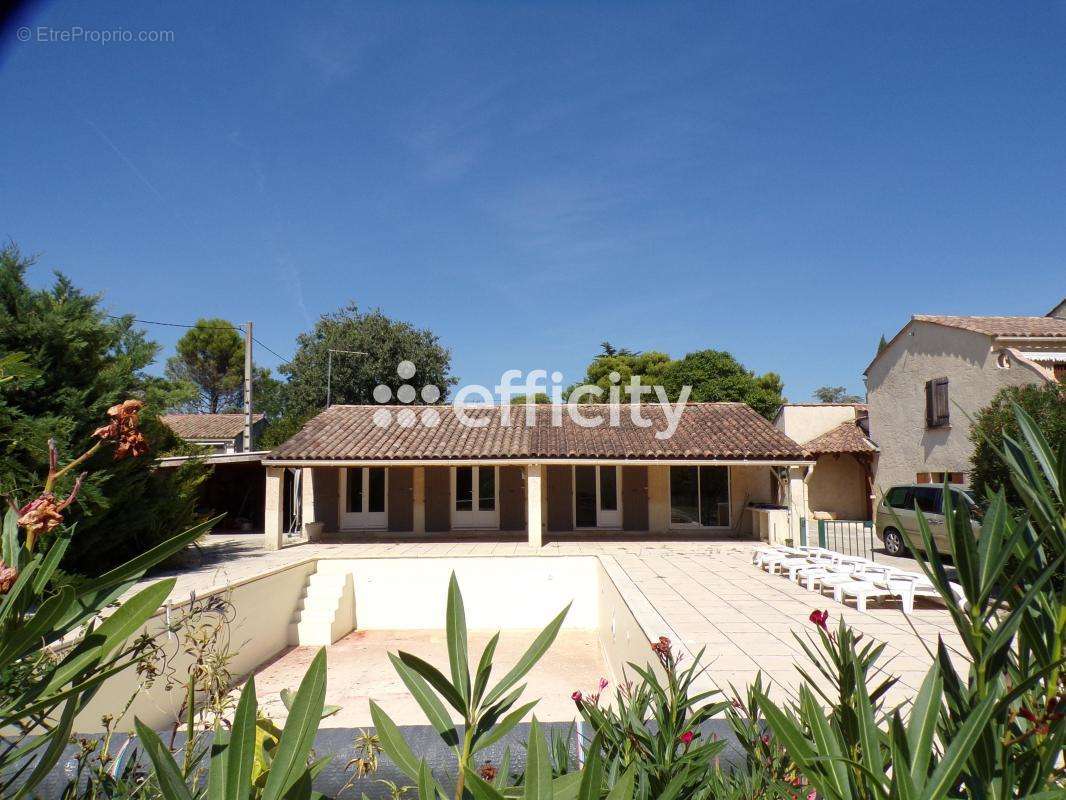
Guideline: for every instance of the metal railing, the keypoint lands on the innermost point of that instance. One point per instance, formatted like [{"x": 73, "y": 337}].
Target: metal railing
[{"x": 847, "y": 536}]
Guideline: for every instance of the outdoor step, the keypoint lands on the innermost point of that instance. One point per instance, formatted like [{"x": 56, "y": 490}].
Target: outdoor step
[{"x": 326, "y": 611}]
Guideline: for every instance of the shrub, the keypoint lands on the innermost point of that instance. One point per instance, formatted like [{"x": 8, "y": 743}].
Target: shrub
[{"x": 1045, "y": 404}]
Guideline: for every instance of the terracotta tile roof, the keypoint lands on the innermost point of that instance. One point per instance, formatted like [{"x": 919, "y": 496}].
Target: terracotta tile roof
[
  {"x": 207, "y": 426},
  {"x": 847, "y": 437},
  {"x": 705, "y": 431},
  {"x": 1001, "y": 326}
]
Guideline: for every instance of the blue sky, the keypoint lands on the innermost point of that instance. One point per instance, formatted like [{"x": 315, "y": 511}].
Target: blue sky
[{"x": 783, "y": 181}]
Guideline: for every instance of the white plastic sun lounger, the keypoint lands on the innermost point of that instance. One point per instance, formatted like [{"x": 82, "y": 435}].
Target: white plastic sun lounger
[
  {"x": 820, "y": 564},
  {"x": 867, "y": 573},
  {"x": 904, "y": 585},
  {"x": 768, "y": 558}
]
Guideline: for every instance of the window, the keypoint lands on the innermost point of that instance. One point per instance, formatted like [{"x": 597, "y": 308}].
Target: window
[
  {"x": 355, "y": 490},
  {"x": 376, "y": 500},
  {"x": 486, "y": 488},
  {"x": 608, "y": 488},
  {"x": 585, "y": 497},
  {"x": 927, "y": 498},
  {"x": 897, "y": 497},
  {"x": 699, "y": 496},
  {"x": 464, "y": 488},
  {"x": 365, "y": 490},
  {"x": 936, "y": 403},
  {"x": 714, "y": 496},
  {"x": 475, "y": 488}
]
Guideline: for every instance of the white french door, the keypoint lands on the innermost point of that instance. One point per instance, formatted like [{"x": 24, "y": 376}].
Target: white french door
[
  {"x": 474, "y": 502},
  {"x": 597, "y": 503},
  {"x": 363, "y": 492}
]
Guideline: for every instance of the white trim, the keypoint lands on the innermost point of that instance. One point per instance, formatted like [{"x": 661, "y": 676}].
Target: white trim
[
  {"x": 475, "y": 519},
  {"x": 522, "y": 462},
  {"x": 361, "y": 520}
]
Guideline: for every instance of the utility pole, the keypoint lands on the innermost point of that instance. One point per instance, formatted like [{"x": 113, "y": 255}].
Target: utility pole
[
  {"x": 248, "y": 387},
  {"x": 329, "y": 368}
]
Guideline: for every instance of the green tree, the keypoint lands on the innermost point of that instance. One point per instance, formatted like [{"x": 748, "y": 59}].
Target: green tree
[
  {"x": 1045, "y": 403},
  {"x": 385, "y": 341},
  {"x": 83, "y": 363},
  {"x": 715, "y": 376},
  {"x": 210, "y": 356},
  {"x": 835, "y": 394}
]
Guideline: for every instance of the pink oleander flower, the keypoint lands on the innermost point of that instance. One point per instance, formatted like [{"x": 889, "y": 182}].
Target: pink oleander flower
[
  {"x": 687, "y": 737},
  {"x": 576, "y": 697},
  {"x": 603, "y": 684},
  {"x": 820, "y": 619}
]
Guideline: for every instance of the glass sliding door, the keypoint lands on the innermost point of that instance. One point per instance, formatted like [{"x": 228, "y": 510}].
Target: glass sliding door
[
  {"x": 584, "y": 497},
  {"x": 596, "y": 500},
  {"x": 699, "y": 497},
  {"x": 363, "y": 492}
]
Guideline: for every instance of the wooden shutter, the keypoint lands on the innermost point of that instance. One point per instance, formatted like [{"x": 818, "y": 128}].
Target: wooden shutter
[{"x": 936, "y": 402}]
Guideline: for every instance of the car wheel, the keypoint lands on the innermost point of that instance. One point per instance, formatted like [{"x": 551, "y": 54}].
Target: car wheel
[{"x": 894, "y": 543}]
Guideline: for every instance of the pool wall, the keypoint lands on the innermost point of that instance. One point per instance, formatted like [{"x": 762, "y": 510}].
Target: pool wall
[{"x": 510, "y": 593}]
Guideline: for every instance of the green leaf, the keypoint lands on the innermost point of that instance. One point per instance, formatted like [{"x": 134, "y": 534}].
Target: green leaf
[
  {"x": 623, "y": 790},
  {"x": 290, "y": 760},
  {"x": 565, "y": 787},
  {"x": 240, "y": 754},
  {"x": 502, "y": 728},
  {"x": 455, "y": 628},
  {"x": 392, "y": 742},
  {"x": 921, "y": 725},
  {"x": 426, "y": 788},
  {"x": 59, "y": 737},
  {"x": 136, "y": 567},
  {"x": 216, "y": 773},
  {"x": 436, "y": 680},
  {"x": 530, "y": 657},
  {"x": 538, "y": 785},
  {"x": 592, "y": 771},
  {"x": 167, "y": 773},
  {"x": 430, "y": 704},
  {"x": 113, "y": 631},
  {"x": 484, "y": 669},
  {"x": 51, "y": 560},
  {"x": 11, "y": 538},
  {"x": 958, "y": 751},
  {"x": 33, "y": 631}
]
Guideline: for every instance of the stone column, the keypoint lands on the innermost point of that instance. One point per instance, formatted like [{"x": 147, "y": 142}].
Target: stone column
[
  {"x": 419, "y": 499},
  {"x": 797, "y": 501},
  {"x": 274, "y": 511},
  {"x": 534, "y": 473}
]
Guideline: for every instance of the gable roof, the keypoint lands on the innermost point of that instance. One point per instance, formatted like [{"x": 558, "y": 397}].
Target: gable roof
[
  {"x": 1011, "y": 327},
  {"x": 847, "y": 437},
  {"x": 208, "y": 426},
  {"x": 728, "y": 431},
  {"x": 1007, "y": 327}
]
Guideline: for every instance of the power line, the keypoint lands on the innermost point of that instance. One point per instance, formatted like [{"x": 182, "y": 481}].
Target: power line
[
  {"x": 278, "y": 355},
  {"x": 228, "y": 327}
]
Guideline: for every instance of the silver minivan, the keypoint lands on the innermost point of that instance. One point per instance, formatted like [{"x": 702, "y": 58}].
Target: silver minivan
[{"x": 897, "y": 519}]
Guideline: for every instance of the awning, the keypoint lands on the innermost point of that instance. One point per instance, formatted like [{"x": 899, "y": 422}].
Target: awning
[{"x": 1044, "y": 356}]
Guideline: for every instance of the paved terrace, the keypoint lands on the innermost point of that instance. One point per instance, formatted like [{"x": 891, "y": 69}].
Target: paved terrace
[{"x": 701, "y": 594}]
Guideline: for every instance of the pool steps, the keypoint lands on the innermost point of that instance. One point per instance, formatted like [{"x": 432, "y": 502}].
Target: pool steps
[{"x": 327, "y": 608}]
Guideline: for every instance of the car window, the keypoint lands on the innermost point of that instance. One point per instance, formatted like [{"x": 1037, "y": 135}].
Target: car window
[
  {"x": 927, "y": 498},
  {"x": 897, "y": 497},
  {"x": 961, "y": 500}
]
